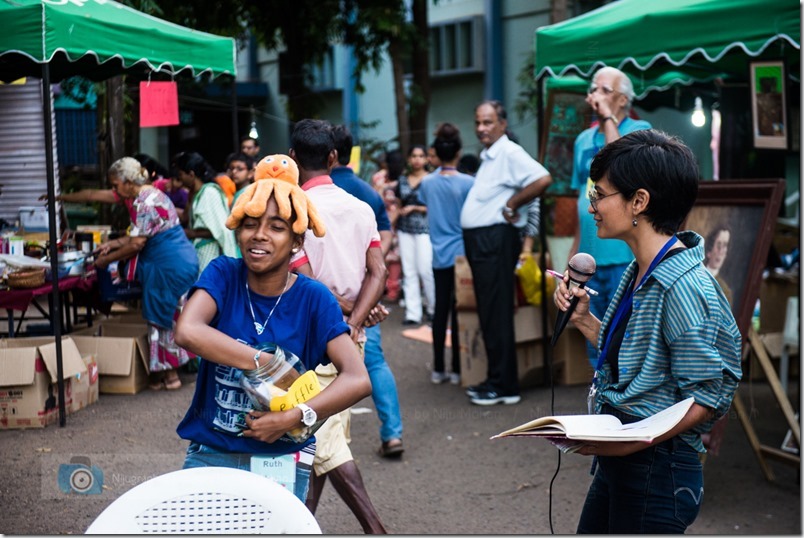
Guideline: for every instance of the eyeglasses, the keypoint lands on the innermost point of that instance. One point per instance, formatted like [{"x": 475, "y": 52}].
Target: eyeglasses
[
  {"x": 607, "y": 90},
  {"x": 594, "y": 198}
]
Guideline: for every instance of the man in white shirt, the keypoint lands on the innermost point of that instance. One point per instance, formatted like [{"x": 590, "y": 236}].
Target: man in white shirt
[{"x": 506, "y": 182}]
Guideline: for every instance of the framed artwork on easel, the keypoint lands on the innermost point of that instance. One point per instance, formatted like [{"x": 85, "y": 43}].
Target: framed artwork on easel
[{"x": 737, "y": 218}]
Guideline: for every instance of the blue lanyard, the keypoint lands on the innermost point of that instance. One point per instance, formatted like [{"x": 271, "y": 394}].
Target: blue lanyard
[{"x": 625, "y": 304}]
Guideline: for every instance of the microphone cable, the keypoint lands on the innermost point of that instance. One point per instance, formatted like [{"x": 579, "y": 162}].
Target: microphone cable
[
  {"x": 558, "y": 451},
  {"x": 549, "y": 349}
]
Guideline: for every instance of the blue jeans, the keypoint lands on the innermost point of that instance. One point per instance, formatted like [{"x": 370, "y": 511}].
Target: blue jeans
[
  {"x": 199, "y": 455},
  {"x": 605, "y": 282},
  {"x": 383, "y": 386},
  {"x": 654, "y": 491}
]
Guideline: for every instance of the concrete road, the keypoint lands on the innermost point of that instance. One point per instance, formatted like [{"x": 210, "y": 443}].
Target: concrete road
[{"x": 451, "y": 480}]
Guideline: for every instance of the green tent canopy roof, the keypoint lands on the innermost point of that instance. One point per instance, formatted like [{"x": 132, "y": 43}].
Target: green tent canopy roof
[
  {"x": 100, "y": 38},
  {"x": 661, "y": 43}
]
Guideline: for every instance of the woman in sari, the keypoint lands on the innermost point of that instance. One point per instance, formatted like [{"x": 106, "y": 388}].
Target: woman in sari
[{"x": 166, "y": 265}]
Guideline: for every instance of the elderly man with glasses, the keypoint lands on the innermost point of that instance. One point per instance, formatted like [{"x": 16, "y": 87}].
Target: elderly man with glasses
[{"x": 610, "y": 96}]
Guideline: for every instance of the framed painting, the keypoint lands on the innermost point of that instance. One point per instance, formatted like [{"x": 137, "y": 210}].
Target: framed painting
[
  {"x": 768, "y": 105},
  {"x": 566, "y": 115},
  {"x": 737, "y": 218}
]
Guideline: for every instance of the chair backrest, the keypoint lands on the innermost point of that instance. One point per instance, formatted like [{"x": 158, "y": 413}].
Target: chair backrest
[{"x": 206, "y": 500}]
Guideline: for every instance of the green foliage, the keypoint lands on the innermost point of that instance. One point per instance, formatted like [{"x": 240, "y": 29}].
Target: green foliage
[{"x": 525, "y": 104}]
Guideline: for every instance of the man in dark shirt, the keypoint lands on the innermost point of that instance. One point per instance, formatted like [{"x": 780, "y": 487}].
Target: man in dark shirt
[{"x": 383, "y": 384}]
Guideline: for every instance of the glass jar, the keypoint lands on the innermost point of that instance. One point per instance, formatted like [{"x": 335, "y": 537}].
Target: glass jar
[{"x": 272, "y": 380}]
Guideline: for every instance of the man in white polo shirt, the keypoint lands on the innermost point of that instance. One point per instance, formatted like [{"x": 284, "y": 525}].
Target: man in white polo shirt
[
  {"x": 349, "y": 261},
  {"x": 506, "y": 182}
]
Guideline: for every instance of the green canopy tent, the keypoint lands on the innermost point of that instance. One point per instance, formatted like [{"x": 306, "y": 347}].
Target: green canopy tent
[
  {"x": 662, "y": 43},
  {"x": 667, "y": 44},
  {"x": 96, "y": 39}
]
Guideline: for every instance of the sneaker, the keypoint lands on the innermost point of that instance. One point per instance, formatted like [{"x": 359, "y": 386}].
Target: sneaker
[
  {"x": 409, "y": 322},
  {"x": 455, "y": 379},
  {"x": 437, "y": 378},
  {"x": 492, "y": 397},
  {"x": 473, "y": 390}
]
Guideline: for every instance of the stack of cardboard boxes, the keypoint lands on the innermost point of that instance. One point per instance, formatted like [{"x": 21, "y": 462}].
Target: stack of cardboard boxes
[
  {"x": 28, "y": 381},
  {"x": 110, "y": 357},
  {"x": 569, "y": 357}
]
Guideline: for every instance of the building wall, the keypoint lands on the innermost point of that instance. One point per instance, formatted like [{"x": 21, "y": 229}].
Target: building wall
[{"x": 453, "y": 97}]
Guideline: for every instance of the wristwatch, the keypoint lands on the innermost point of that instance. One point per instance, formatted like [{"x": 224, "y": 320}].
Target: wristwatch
[
  {"x": 613, "y": 119},
  {"x": 309, "y": 416}
]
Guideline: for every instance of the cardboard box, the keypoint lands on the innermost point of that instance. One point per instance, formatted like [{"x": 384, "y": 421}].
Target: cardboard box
[
  {"x": 528, "y": 331},
  {"x": 84, "y": 388},
  {"x": 464, "y": 290},
  {"x": 571, "y": 358},
  {"x": 130, "y": 318},
  {"x": 28, "y": 380},
  {"x": 122, "y": 353}
]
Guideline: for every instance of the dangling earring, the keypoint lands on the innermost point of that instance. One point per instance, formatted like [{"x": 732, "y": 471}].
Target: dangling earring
[{"x": 634, "y": 222}]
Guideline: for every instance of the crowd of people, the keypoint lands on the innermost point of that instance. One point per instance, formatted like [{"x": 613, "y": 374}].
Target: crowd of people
[{"x": 218, "y": 253}]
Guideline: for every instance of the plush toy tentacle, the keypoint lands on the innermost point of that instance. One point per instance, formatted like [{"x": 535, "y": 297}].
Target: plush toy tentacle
[
  {"x": 316, "y": 223},
  {"x": 282, "y": 195},
  {"x": 301, "y": 205},
  {"x": 256, "y": 207},
  {"x": 238, "y": 210}
]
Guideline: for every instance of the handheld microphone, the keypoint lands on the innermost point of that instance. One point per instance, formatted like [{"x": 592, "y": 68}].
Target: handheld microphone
[{"x": 581, "y": 268}]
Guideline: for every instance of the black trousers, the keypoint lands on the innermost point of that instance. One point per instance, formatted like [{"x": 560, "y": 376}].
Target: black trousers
[
  {"x": 492, "y": 252},
  {"x": 444, "y": 310}
]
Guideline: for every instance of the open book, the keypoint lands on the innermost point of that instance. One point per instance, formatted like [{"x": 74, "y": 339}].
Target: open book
[{"x": 563, "y": 430}]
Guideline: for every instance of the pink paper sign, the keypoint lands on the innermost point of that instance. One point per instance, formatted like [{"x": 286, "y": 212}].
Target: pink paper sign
[{"x": 159, "y": 104}]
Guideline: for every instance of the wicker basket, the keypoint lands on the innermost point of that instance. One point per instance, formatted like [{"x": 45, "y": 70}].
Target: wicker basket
[{"x": 27, "y": 277}]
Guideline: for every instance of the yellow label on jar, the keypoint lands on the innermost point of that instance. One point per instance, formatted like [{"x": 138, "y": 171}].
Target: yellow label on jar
[{"x": 305, "y": 387}]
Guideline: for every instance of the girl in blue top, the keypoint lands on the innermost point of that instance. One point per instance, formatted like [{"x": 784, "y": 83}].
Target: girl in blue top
[
  {"x": 239, "y": 307},
  {"x": 667, "y": 335},
  {"x": 444, "y": 192}
]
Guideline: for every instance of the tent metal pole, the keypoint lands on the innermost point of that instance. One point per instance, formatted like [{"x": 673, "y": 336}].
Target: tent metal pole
[
  {"x": 546, "y": 349},
  {"x": 235, "y": 127},
  {"x": 55, "y": 314}
]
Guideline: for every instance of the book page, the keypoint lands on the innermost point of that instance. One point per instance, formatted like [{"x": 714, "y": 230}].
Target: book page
[
  {"x": 602, "y": 427},
  {"x": 646, "y": 429},
  {"x": 564, "y": 425}
]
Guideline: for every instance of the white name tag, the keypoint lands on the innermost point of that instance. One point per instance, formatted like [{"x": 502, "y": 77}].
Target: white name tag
[{"x": 281, "y": 469}]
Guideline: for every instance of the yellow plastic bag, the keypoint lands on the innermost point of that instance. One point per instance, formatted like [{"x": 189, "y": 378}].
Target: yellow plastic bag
[{"x": 530, "y": 280}]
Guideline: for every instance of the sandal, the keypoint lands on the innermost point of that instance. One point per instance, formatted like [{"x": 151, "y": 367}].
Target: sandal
[
  {"x": 172, "y": 384},
  {"x": 159, "y": 385},
  {"x": 391, "y": 449}
]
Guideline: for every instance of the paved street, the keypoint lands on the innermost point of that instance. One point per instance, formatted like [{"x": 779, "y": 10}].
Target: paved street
[{"x": 451, "y": 480}]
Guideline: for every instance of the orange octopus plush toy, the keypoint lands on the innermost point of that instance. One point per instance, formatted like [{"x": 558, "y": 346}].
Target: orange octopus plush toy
[{"x": 277, "y": 175}]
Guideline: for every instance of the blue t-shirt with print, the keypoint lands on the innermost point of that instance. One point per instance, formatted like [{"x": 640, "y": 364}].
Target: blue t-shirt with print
[{"x": 306, "y": 319}]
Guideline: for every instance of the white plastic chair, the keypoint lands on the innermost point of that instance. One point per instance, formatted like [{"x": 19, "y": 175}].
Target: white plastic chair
[{"x": 206, "y": 500}]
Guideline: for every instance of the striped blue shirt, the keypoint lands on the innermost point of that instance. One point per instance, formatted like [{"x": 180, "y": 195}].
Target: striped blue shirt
[{"x": 680, "y": 341}]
